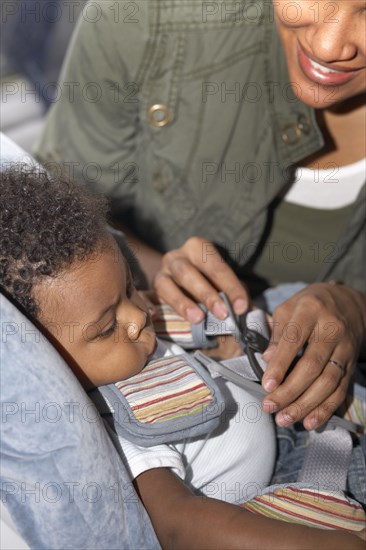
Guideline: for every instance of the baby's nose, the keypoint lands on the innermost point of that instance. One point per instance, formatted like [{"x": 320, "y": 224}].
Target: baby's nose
[
  {"x": 136, "y": 323},
  {"x": 133, "y": 330}
]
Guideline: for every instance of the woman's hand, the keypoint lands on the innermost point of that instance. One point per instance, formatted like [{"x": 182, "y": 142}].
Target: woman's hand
[
  {"x": 197, "y": 269},
  {"x": 330, "y": 320}
]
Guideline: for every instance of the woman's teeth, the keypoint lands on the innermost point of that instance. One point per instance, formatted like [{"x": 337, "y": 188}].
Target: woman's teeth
[{"x": 321, "y": 68}]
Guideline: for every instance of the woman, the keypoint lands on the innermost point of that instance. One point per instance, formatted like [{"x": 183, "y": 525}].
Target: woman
[{"x": 193, "y": 118}]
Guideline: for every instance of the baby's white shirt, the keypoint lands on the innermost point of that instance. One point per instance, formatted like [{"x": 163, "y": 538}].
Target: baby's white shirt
[{"x": 233, "y": 463}]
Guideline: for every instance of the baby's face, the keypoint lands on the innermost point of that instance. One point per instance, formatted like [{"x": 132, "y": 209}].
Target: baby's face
[{"x": 94, "y": 311}]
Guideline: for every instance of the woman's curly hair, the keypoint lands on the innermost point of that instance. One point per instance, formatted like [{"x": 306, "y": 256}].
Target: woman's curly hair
[{"x": 46, "y": 224}]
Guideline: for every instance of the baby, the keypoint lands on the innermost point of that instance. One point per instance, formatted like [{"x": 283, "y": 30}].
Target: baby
[{"x": 61, "y": 266}]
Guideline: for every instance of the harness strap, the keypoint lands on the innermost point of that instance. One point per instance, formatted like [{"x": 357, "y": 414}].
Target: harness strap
[
  {"x": 239, "y": 371},
  {"x": 328, "y": 453},
  {"x": 327, "y": 458}
]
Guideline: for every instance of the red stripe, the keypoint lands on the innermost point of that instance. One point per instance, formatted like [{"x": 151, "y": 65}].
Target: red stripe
[
  {"x": 166, "y": 397},
  {"x": 174, "y": 373},
  {"x": 326, "y": 497},
  {"x": 149, "y": 373},
  {"x": 314, "y": 507},
  {"x": 161, "y": 383},
  {"x": 309, "y": 520}
]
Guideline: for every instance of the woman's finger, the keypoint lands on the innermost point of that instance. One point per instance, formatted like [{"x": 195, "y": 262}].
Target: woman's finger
[
  {"x": 315, "y": 376},
  {"x": 170, "y": 293},
  {"x": 197, "y": 284},
  {"x": 329, "y": 334},
  {"x": 288, "y": 339},
  {"x": 209, "y": 261},
  {"x": 192, "y": 274},
  {"x": 318, "y": 402},
  {"x": 206, "y": 258},
  {"x": 317, "y": 413}
]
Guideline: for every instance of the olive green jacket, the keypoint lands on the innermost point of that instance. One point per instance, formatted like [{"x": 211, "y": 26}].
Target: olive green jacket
[{"x": 182, "y": 113}]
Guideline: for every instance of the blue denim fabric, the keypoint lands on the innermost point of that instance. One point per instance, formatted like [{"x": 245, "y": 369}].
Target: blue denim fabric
[
  {"x": 356, "y": 482},
  {"x": 357, "y": 472},
  {"x": 273, "y": 297},
  {"x": 291, "y": 444}
]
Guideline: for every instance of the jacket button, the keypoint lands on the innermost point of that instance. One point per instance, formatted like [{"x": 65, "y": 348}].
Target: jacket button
[
  {"x": 304, "y": 124},
  {"x": 158, "y": 115},
  {"x": 291, "y": 134},
  {"x": 160, "y": 183}
]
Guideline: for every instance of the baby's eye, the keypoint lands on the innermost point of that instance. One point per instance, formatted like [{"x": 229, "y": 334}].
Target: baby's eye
[{"x": 109, "y": 331}]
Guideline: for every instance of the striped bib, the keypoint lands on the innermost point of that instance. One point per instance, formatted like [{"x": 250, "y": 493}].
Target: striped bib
[{"x": 170, "y": 399}]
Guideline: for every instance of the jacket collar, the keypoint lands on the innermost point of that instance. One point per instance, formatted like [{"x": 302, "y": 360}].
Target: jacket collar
[{"x": 294, "y": 122}]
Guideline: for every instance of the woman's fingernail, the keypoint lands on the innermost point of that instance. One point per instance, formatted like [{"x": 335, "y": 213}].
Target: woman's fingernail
[
  {"x": 284, "y": 419},
  {"x": 219, "y": 310},
  {"x": 311, "y": 424},
  {"x": 194, "y": 315},
  {"x": 270, "y": 406},
  {"x": 240, "y": 306},
  {"x": 270, "y": 384}
]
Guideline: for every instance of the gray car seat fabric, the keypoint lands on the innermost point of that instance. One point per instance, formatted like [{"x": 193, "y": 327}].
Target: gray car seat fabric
[{"x": 61, "y": 478}]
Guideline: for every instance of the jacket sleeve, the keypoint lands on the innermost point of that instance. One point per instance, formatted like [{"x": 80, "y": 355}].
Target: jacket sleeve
[{"x": 92, "y": 128}]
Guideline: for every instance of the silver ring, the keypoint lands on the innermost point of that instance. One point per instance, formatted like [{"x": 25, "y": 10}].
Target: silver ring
[{"x": 339, "y": 365}]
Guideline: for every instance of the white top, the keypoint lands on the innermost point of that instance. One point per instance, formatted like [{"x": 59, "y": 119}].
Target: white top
[
  {"x": 334, "y": 187},
  {"x": 233, "y": 463}
]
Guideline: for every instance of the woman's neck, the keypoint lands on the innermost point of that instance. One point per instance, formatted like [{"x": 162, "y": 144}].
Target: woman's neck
[{"x": 344, "y": 133}]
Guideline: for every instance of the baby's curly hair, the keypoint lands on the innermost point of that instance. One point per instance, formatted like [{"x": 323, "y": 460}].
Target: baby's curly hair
[{"x": 46, "y": 224}]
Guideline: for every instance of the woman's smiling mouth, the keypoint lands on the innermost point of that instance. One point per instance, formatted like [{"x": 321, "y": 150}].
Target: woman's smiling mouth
[{"x": 323, "y": 73}]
